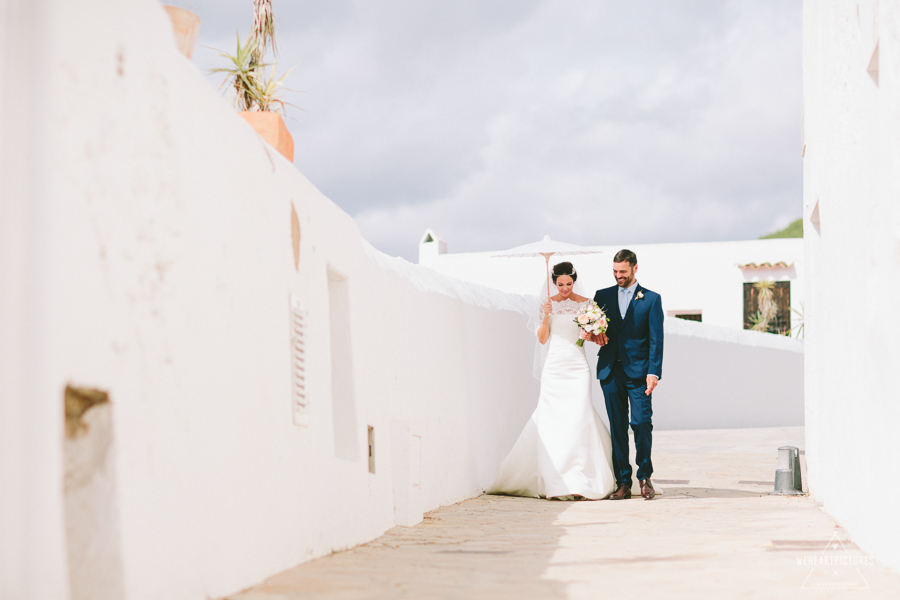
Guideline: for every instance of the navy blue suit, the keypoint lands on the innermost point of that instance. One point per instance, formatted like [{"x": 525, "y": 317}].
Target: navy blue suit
[{"x": 635, "y": 349}]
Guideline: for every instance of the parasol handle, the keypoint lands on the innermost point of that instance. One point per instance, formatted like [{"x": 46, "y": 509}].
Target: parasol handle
[{"x": 547, "y": 258}]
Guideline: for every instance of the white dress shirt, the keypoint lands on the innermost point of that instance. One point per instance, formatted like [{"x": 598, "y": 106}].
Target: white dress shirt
[{"x": 625, "y": 296}]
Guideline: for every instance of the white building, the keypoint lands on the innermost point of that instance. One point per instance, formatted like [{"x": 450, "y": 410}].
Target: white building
[{"x": 709, "y": 282}]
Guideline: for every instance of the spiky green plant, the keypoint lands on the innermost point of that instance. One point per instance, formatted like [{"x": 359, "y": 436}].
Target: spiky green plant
[
  {"x": 265, "y": 91},
  {"x": 242, "y": 74},
  {"x": 253, "y": 88}
]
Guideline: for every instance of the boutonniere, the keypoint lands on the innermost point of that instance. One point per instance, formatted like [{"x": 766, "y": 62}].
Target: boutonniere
[{"x": 639, "y": 295}]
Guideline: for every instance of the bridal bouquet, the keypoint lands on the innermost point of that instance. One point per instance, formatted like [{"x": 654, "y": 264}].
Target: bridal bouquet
[{"x": 592, "y": 319}]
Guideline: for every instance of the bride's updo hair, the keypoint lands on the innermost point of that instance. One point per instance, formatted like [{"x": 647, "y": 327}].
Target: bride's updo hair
[{"x": 564, "y": 268}]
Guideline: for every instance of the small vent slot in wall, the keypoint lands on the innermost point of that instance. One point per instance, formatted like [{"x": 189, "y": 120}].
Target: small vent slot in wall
[
  {"x": 371, "y": 449},
  {"x": 299, "y": 400}
]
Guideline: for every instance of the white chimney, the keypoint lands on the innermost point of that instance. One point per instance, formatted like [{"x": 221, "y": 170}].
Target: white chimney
[{"x": 430, "y": 246}]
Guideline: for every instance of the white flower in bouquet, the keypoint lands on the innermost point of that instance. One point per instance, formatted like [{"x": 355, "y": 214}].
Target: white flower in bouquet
[{"x": 592, "y": 319}]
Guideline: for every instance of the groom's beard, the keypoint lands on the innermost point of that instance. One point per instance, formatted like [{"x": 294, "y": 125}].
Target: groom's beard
[{"x": 625, "y": 282}]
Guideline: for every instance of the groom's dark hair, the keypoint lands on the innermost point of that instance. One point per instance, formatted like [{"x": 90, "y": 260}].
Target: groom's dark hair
[{"x": 626, "y": 256}]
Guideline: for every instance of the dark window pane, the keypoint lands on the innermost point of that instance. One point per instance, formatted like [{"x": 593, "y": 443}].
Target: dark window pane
[
  {"x": 698, "y": 318},
  {"x": 781, "y": 295}
]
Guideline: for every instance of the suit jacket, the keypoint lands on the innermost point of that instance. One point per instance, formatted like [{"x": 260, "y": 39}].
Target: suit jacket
[{"x": 636, "y": 340}]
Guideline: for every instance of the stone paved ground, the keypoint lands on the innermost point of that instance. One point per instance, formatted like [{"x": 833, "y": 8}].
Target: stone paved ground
[{"x": 713, "y": 537}]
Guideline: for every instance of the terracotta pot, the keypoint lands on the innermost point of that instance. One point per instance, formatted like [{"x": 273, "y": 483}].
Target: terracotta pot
[
  {"x": 186, "y": 26},
  {"x": 271, "y": 127}
]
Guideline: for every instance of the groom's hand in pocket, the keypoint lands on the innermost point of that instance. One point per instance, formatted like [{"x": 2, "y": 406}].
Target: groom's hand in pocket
[{"x": 652, "y": 382}]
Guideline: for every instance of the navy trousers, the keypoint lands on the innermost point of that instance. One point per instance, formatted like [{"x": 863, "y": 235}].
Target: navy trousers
[{"x": 620, "y": 390}]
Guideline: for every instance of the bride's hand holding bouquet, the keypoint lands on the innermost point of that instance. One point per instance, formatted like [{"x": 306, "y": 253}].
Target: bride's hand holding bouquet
[{"x": 593, "y": 323}]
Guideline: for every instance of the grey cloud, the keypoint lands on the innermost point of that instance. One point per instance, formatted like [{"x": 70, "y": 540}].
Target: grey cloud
[{"x": 496, "y": 122}]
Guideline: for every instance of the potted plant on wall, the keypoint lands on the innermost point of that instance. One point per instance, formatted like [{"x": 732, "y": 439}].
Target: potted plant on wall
[
  {"x": 255, "y": 91},
  {"x": 185, "y": 26}
]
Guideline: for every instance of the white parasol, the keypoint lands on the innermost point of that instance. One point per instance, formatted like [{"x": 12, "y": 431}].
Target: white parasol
[{"x": 546, "y": 248}]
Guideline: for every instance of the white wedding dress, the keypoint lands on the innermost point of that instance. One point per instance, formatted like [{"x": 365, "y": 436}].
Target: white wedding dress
[{"x": 565, "y": 449}]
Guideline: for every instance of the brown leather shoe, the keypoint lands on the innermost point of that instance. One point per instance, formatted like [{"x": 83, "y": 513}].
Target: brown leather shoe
[
  {"x": 647, "y": 491},
  {"x": 622, "y": 493}
]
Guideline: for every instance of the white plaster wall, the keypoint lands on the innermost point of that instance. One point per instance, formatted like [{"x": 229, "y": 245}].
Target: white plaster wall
[
  {"x": 150, "y": 256},
  {"x": 852, "y": 173},
  {"x": 724, "y": 378},
  {"x": 690, "y": 276}
]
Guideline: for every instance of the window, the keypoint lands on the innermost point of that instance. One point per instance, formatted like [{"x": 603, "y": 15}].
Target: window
[
  {"x": 690, "y": 316},
  {"x": 767, "y": 306}
]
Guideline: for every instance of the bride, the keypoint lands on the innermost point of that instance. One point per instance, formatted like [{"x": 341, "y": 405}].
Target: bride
[{"x": 565, "y": 451}]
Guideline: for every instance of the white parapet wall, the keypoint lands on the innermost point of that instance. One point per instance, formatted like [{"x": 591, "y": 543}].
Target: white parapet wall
[
  {"x": 851, "y": 89},
  {"x": 723, "y": 378}
]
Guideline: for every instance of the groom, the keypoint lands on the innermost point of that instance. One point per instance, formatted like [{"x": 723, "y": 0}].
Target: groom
[{"x": 629, "y": 366}]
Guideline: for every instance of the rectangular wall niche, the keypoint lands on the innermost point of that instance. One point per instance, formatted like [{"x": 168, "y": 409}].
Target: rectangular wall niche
[
  {"x": 299, "y": 400},
  {"x": 343, "y": 393}
]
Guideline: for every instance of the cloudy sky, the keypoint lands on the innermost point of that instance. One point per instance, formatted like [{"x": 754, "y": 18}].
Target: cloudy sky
[{"x": 496, "y": 122}]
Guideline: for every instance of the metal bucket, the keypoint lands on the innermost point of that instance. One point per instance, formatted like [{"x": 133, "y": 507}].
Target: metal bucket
[{"x": 787, "y": 476}]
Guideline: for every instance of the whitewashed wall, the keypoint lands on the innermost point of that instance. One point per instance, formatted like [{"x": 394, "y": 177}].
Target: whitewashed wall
[
  {"x": 723, "y": 378},
  {"x": 852, "y": 216},
  {"x": 692, "y": 277},
  {"x": 146, "y": 251}
]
